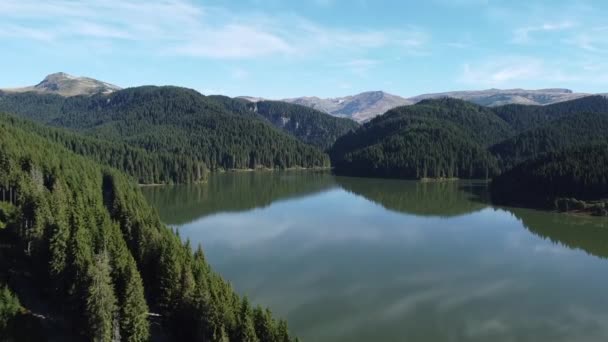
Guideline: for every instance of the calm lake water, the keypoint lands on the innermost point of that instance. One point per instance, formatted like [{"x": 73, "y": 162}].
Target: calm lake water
[{"x": 352, "y": 259}]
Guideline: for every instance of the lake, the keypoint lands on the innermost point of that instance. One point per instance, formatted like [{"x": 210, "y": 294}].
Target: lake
[{"x": 353, "y": 259}]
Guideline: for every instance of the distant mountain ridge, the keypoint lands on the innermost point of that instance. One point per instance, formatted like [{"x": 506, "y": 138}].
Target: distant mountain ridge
[
  {"x": 497, "y": 97},
  {"x": 67, "y": 85},
  {"x": 360, "y": 107},
  {"x": 365, "y": 106}
]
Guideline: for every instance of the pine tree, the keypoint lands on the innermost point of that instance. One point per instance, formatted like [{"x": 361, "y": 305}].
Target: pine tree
[
  {"x": 101, "y": 302},
  {"x": 134, "y": 310},
  {"x": 245, "y": 330}
]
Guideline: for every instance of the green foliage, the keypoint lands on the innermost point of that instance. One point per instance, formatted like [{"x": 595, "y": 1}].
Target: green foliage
[
  {"x": 431, "y": 139},
  {"x": 525, "y": 117},
  {"x": 578, "y": 173},
  {"x": 573, "y": 130},
  {"x": 308, "y": 125},
  {"x": 101, "y": 302},
  {"x": 171, "y": 121},
  {"x": 480, "y": 124},
  {"x": 145, "y": 167},
  {"x": 245, "y": 330},
  {"x": 9, "y": 307},
  {"x": 108, "y": 259}
]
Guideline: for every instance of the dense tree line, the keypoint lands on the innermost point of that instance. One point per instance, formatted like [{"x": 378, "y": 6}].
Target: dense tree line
[
  {"x": 525, "y": 117},
  {"x": 479, "y": 123},
  {"x": 307, "y": 124},
  {"x": 101, "y": 257},
  {"x": 435, "y": 139},
  {"x": 145, "y": 167},
  {"x": 172, "y": 120},
  {"x": 569, "y": 131},
  {"x": 551, "y": 178}
]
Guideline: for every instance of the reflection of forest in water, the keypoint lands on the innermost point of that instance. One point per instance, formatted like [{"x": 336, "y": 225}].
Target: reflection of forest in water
[
  {"x": 233, "y": 192},
  {"x": 586, "y": 233},
  {"x": 444, "y": 199}
]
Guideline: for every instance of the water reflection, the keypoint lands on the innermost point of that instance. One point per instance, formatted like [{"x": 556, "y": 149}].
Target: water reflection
[
  {"x": 233, "y": 192},
  {"x": 348, "y": 259},
  {"x": 443, "y": 199},
  {"x": 586, "y": 233}
]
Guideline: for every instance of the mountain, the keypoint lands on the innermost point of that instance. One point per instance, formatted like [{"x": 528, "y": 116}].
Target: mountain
[
  {"x": 90, "y": 259},
  {"x": 573, "y": 130},
  {"x": 562, "y": 179},
  {"x": 360, "y": 107},
  {"x": 364, "y": 106},
  {"x": 171, "y": 120},
  {"x": 143, "y": 166},
  {"x": 67, "y": 85},
  {"x": 498, "y": 97},
  {"x": 524, "y": 117},
  {"x": 442, "y": 138},
  {"x": 306, "y": 124}
]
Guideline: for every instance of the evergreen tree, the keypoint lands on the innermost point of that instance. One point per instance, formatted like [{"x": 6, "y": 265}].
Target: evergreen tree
[
  {"x": 101, "y": 302},
  {"x": 134, "y": 310},
  {"x": 245, "y": 330}
]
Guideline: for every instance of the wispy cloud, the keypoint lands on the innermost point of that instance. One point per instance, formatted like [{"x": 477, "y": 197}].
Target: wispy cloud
[
  {"x": 358, "y": 66},
  {"x": 180, "y": 27},
  {"x": 508, "y": 71},
  {"x": 524, "y": 34}
]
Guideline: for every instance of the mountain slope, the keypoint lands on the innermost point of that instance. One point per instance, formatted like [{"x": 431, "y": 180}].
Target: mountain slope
[
  {"x": 497, "y": 97},
  {"x": 309, "y": 125},
  {"x": 360, "y": 107},
  {"x": 435, "y": 138},
  {"x": 579, "y": 173},
  {"x": 82, "y": 248},
  {"x": 522, "y": 117},
  {"x": 573, "y": 130},
  {"x": 481, "y": 124},
  {"x": 171, "y": 120},
  {"x": 67, "y": 85},
  {"x": 143, "y": 166},
  {"x": 306, "y": 124}
]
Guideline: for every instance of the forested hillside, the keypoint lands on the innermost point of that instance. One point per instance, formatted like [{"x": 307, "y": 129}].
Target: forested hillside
[
  {"x": 556, "y": 178},
  {"x": 306, "y": 124},
  {"x": 309, "y": 125},
  {"x": 573, "y": 130},
  {"x": 80, "y": 246},
  {"x": 481, "y": 124},
  {"x": 522, "y": 117},
  {"x": 145, "y": 167},
  {"x": 171, "y": 120},
  {"x": 443, "y": 138}
]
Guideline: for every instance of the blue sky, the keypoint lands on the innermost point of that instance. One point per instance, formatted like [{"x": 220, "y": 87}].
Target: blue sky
[{"x": 278, "y": 49}]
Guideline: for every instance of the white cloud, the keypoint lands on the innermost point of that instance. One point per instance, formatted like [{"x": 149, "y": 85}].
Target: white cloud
[
  {"x": 239, "y": 74},
  {"x": 359, "y": 66},
  {"x": 500, "y": 72},
  {"x": 514, "y": 71},
  {"x": 180, "y": 27},
  {"x": 524, "y": 34}
]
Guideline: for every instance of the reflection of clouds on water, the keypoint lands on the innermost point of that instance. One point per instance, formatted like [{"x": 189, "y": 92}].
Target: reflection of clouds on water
[
  {"x": 237, "y": 230},
  {"x": 340, "y": 267},
  {"x": 479, "y": 328}
]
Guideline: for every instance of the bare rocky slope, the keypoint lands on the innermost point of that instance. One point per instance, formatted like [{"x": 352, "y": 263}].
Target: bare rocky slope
[
  {"x": 365, "y": 106},
  {"x": 67, "y": 85},
  {"x": 498, "y": 97}
]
